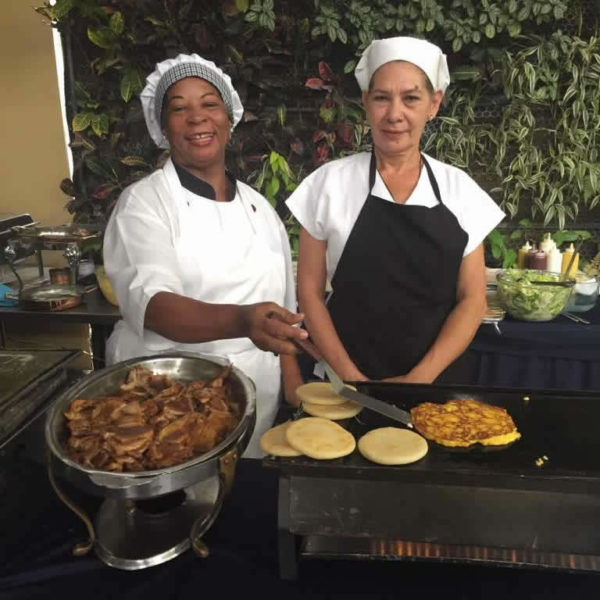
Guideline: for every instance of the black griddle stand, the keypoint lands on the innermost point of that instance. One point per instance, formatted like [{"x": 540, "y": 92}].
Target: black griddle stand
[{"x": 495, "y": 507}]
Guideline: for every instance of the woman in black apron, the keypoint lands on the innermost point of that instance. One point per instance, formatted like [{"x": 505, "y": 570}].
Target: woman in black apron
[{"x": 406, "y": 300}]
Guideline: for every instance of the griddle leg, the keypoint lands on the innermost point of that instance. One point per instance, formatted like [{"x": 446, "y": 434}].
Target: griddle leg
[{"x": 287, "y": 542}]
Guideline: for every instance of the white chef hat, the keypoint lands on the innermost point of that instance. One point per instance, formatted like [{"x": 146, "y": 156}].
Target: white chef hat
[
  {"x": 172, "y": 70},
  {"x": 425, "y": 55}
]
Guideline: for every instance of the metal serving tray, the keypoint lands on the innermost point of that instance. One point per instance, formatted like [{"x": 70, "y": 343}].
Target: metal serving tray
[{"x": 65, "y": 234}]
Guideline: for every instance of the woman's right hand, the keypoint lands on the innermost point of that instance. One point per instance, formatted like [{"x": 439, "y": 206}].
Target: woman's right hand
[{"x": 271, "y": 327}]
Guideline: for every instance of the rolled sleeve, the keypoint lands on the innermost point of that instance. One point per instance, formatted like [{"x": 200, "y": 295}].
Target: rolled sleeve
[{"x": 139, "y": 257}]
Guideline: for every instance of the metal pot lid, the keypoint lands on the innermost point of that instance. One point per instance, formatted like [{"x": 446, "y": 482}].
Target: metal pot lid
[{"x": 46, "y": 293}]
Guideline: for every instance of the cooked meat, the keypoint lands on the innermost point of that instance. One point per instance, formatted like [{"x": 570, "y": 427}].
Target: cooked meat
[
  {"x": 79, "y": 409},
  {"x": 80, "y": 427},
  {"x": 151, "y": 422},
  {"x": 128, "y": 441},
  {"x": 203, "y": 437},
  {"x": 176, "y": 407}
]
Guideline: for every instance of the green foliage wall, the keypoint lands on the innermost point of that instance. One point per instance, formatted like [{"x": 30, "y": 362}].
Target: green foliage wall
[{"x": 521, "y": 115}]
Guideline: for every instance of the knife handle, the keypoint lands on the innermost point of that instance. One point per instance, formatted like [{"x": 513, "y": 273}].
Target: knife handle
[
  {"x": 310, "y": 349},
  {"x": 305, "y": 345}
]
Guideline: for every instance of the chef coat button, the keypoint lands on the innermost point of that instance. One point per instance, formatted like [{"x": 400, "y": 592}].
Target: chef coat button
[{"x": 253, "y": 207}]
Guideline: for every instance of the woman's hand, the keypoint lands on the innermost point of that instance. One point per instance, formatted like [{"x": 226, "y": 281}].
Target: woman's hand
[
  {"x": 291, "y": 379},
  {"x": 289, "y": 394},
  {"x": 460, "y": 326},
  {"x": 410, "y": 377},
  {"x": 352, "y": 374},
  {"x": 271, "y": 327}
]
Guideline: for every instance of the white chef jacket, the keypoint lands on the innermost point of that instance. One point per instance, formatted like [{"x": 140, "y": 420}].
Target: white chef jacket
[
  {"x": 163, "y": 238},
  {"x": 328, "y": 201}
]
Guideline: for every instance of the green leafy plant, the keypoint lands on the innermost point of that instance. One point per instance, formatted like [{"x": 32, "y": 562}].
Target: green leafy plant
[
  {"x": 274, "y": 176},
  {"x": 500, "y": 250},
  {"x": 521, "y": 116},
  {"x": 550, "y": 128}
]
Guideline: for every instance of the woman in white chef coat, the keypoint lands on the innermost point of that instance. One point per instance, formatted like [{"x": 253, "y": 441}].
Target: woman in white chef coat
[
  {"x": 398, "y": 233},
  {"x": 199, "y": 261}
]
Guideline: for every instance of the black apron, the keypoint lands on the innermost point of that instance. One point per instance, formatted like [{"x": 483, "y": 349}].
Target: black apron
[{"x": 395, "y": 283}]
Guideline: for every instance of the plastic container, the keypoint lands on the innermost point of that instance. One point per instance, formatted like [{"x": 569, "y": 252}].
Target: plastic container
[
  {"x": 547, "y": 244},
  {"x": 585, "y": 294},
  {"x": 522, "y": 255},
  {"x": 530, "y": 256},
  {"x": 554, "y": 263},
  {"x": 538, "y": 260},
  {"x": 566, "y": 259}
]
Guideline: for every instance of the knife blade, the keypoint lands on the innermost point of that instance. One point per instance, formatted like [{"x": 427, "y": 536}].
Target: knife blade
[
  {"x": 389, "y": 410},
  {"x": 383, "y": 408}
]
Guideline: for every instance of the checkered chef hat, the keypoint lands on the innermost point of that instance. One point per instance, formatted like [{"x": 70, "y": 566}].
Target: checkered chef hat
[{"x": 171, "y": 71}]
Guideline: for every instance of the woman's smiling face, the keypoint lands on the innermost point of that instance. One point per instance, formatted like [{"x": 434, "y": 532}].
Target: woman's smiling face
[
  {"x": 196, "y": 123},
  {"x": 398, "y": 104}
]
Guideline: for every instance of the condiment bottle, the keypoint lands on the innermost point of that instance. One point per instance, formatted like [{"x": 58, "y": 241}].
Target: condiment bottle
[
  {"x": 554, "y": 262},
  {"x": 522, "y": 255},
  {"x": 547, "y": 244},
  {"x": 566, "y": 259},
  {"x": 530, "y": 256},
  {"x": 538, "y": 260}
]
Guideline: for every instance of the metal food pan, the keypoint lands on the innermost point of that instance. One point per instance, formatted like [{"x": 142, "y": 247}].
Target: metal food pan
[{"x": 181, "y": 366}]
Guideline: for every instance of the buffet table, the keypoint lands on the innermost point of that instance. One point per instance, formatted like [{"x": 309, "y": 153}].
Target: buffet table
[
  {"x": 559, "y": 354},
  {"x": 38, "y": 534},
  {"x": 95, "y": 310}
]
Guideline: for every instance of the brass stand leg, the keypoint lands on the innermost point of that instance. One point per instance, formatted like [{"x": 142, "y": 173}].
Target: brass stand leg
[
  {"x": 200, "y": 548},
  {"x": 82, "y": 548},
  {"x": 227, "y": 464}
]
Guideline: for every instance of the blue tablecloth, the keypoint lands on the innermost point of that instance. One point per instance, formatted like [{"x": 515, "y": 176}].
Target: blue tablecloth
[
  {"x": 558, "y": 354},
  {"x": 37, "y": 533}
]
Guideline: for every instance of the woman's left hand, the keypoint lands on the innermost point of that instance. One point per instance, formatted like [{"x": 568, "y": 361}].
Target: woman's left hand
[
  {"x": 410, "y": 377},
  {"x": 289, "y": 393},
  {"x": 291, "y": 379}
]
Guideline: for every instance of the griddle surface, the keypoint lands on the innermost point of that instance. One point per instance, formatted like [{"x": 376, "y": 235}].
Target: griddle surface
[{"x": 561, "y": 426}]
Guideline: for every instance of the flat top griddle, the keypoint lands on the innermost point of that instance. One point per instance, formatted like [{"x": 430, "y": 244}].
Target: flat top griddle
[{"x": 560, "y": 429}]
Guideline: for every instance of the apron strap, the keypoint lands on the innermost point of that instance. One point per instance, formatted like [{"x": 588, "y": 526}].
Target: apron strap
[
  {"x": 372, "y": 171},
  {"x": 432, "y": 181},
  {"x": 430, "y": 175}
]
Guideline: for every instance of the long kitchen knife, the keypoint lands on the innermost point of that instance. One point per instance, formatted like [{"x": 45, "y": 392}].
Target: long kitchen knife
[{"x": 389, "y": 410}]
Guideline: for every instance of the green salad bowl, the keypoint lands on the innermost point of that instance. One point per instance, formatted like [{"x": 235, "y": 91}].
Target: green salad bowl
[{"x": 530, "y": 295}]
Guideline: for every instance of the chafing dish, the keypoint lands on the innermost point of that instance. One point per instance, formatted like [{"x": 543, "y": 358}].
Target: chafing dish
[
  {"x": 24, "y": 238},
  {"x": 59, "y": 234},
  {"x": 123, "y": 528},
  {"x": 50, "y": 297}
]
